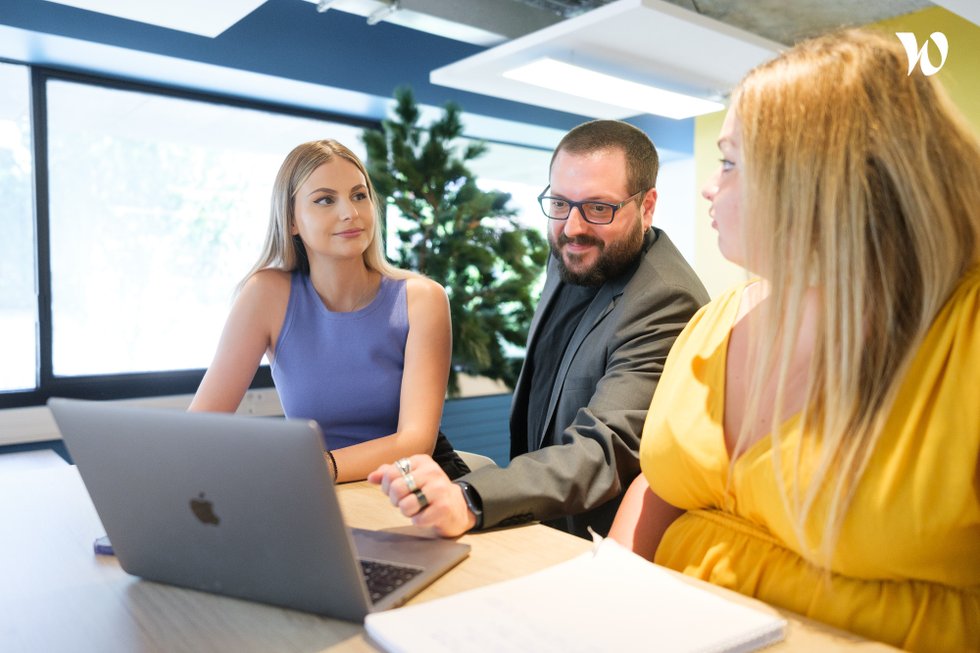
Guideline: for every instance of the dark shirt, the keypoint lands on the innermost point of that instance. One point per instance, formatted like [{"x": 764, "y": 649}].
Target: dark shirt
[{"x": 556, "y": 331}]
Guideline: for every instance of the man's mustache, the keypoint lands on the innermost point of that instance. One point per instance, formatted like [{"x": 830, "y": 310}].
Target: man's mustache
[{"x": 579, "y": 240}]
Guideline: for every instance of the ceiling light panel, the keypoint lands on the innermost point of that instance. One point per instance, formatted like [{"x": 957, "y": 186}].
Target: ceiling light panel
[
  {"x": 646, "y": 42},
  {"x": 589, "y": 84},
  {"x": 209, "y": 18}
]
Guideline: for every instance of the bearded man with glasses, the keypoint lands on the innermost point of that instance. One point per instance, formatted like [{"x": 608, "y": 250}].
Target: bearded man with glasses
[{"x": 617, "y": 295}]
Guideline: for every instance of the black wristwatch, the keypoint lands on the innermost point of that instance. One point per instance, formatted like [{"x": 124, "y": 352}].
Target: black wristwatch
[{"x": 473, "y": 502}]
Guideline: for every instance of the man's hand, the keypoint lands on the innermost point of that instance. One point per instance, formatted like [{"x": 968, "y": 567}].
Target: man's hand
[{"x": 446, "y": 510}]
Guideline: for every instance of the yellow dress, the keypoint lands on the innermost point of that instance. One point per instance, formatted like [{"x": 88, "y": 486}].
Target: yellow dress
[{"x": 906, "y": 569}]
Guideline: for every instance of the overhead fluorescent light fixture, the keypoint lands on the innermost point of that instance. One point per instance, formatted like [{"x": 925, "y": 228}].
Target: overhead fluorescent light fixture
[
  {"x": 202, "y": 18},
  {"x": 581, "y": 82},
  {"x": 651, "y": 42},
  {"x": 378, "y": 10}
]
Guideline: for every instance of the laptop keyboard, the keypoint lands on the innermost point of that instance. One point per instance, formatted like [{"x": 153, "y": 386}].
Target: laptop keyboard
[{"x": 383, "y": 578}]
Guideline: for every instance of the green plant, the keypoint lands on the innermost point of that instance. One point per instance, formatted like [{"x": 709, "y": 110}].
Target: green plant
[{"x": 465, "y": 238}]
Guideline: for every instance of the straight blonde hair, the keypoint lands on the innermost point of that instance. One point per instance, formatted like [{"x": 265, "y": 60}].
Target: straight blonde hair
[
  {"x": 862, "y": 183},
  {"x": 284, "y": 251}
]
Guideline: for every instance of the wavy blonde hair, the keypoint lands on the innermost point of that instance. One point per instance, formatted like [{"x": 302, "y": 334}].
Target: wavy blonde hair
[
  {"x": 862, "y": 183},
  {"x": 284, "y": 251}
]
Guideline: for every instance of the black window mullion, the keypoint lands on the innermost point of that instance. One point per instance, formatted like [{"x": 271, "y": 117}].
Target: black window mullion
[{"x": 42, "y": 234}]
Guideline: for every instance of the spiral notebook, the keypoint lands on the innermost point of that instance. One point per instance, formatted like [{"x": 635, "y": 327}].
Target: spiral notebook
[{"x": 605, "y": 600}]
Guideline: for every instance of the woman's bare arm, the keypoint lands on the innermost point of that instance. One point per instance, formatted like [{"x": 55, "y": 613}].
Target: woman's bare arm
[{"x": 642, "y": 519}]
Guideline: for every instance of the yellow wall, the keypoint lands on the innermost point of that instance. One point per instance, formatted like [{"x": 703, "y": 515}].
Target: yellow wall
[{"x": 960, "y": 75}]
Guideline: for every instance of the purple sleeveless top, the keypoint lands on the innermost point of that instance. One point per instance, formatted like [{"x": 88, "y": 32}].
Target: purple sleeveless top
[{"x": 343, "y": 370}]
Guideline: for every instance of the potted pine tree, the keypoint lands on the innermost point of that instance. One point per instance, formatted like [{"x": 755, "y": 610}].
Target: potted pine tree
[{"x": 465, "y": 238}]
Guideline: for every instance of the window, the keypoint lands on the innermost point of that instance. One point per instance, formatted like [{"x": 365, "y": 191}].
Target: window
[
  {"x": 151, "y": 206},
  {"x": 18, "y": 302},
  {"x": 158, "y": 206},
  {"x": 520, "y": 171},
  {"x": 129, "y": 215}
]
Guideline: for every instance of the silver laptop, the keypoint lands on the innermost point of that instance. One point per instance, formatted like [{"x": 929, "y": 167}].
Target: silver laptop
[{"x": 240, "y": 506}]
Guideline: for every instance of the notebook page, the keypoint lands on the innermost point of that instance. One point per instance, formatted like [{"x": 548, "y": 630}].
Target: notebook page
[{"x": 608, "y": 600}]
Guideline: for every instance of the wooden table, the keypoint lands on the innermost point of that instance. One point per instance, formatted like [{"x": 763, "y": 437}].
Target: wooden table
[{"x": 56, "y": 595}]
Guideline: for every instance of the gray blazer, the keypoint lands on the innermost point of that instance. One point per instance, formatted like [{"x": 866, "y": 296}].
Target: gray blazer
[{"x": 573, "y": 475}]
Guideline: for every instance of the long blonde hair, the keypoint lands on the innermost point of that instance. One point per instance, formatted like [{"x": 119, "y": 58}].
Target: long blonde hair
[
  {"x": 284, "y": 251},
  {"x": 861, "y": 183}
]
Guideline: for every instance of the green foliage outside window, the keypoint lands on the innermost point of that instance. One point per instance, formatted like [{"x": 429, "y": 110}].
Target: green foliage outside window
[{"x": 465, "y": 238}]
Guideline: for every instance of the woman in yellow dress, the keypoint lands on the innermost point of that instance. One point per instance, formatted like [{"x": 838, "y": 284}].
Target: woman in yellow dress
[{"x": 815, "y": 438}]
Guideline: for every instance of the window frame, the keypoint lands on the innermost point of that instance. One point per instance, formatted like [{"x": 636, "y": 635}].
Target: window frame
[{"x": 126, "y": 385}]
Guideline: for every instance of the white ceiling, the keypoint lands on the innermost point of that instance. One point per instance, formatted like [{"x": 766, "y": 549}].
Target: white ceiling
[
  {"x": 673, "y": 45},
  {"x": 968, "y": 9}
]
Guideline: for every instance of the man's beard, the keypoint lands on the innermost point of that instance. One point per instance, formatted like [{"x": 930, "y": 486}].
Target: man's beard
[{"x": 613, "y": 260}]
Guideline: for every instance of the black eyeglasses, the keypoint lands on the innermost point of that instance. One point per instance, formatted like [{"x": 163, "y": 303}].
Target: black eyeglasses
[{"x": 558, "y": 208}]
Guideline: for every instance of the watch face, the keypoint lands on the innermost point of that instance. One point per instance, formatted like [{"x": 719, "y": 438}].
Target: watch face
[
  {"x": 473, "y": 502},
  {"x": 472, "y": 498}
]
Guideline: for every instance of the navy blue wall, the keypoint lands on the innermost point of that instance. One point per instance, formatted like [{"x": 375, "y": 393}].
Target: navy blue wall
[{"x": 290, "y": 39}]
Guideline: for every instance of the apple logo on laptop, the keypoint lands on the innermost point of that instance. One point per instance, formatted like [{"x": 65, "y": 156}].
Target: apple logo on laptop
[{"x": 204, "y": 510}]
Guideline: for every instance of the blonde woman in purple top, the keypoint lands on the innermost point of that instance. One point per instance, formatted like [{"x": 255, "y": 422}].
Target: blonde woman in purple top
[{"x": 358, "y": 345}]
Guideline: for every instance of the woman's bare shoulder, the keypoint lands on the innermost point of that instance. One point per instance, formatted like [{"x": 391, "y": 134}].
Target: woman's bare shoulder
[
  {"x": 426, "y": 299},
  {"x": 425, "y": 289},
  {"x": 266, "y": 293},
  {"x": 268, "y": 282}
]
